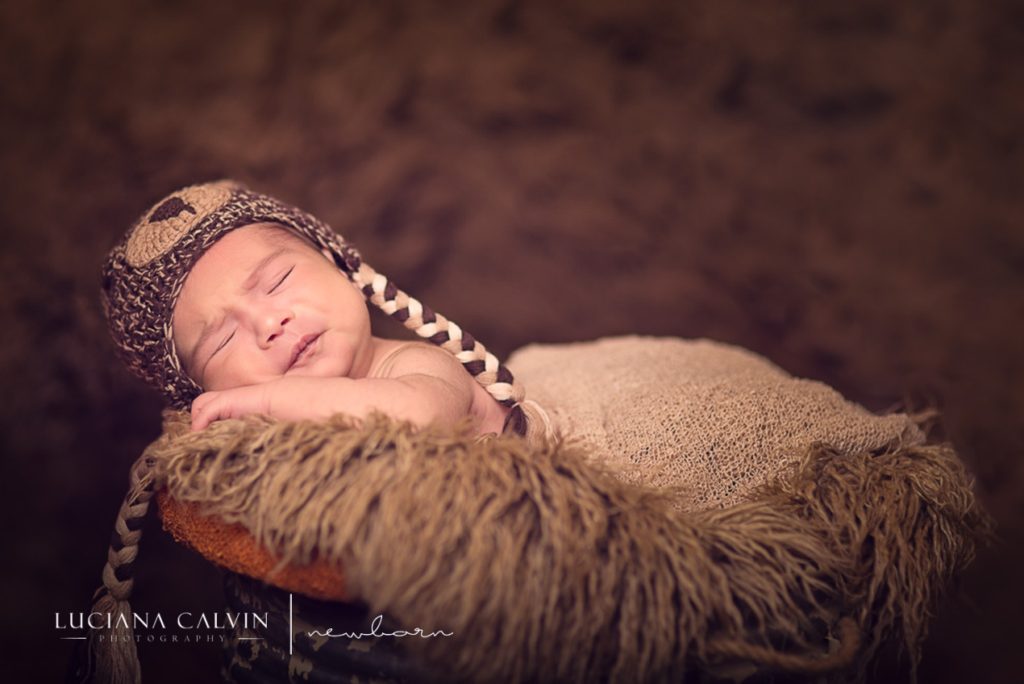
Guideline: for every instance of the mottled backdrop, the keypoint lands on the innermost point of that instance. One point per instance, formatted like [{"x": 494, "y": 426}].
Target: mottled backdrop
[{"x": 834, "y": 185}]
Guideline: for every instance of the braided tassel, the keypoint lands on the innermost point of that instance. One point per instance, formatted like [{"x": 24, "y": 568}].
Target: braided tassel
[
  {"x": 480, "y": 363},
  {"x": 112, "y": 655}
]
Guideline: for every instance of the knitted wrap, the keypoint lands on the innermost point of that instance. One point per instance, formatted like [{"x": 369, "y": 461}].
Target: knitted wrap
[{"x": 144, "y": 274}]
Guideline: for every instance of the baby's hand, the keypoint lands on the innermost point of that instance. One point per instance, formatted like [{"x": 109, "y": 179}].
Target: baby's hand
[
  {"x": 426, "y": 386},
  {"x": 230, "y": 403},
  {"x": 290, "y": 398}
]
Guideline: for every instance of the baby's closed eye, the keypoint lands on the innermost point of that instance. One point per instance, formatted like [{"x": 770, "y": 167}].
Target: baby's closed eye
[{"x": 278, "y": 282}]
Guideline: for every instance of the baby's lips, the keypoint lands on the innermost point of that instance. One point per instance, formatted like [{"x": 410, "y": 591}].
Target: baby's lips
[{"x": 301, "y": 345}]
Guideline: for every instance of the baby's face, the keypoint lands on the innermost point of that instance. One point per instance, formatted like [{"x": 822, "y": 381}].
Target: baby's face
[{"x": 261, "y": 304}]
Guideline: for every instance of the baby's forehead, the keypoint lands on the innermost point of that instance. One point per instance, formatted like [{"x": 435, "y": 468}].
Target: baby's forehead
[
  {"x": 246, "y": 249},
  {"x": 276, "y": 234}
]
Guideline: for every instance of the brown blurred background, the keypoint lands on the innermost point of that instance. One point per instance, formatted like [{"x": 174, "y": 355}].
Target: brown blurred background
[{"x": 834, "y": 185}]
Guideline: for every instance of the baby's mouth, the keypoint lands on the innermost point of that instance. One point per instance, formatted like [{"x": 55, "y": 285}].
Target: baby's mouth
[{"x": 302, "y": 350}]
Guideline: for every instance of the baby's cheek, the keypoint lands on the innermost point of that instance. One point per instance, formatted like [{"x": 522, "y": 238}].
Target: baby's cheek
[{"x": 226, "y": 375}]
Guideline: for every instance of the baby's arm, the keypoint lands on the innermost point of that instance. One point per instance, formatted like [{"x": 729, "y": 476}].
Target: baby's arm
[{"x": 418, "y": 383}]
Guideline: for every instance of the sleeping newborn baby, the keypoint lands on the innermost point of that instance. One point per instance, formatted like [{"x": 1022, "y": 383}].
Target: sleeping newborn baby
[
  {"x": 267, "y": 324},
  {"x": 233, "y": 303}
]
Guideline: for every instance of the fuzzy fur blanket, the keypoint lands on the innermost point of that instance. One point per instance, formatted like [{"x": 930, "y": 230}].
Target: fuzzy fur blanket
[{"x": 547, "y": 567}]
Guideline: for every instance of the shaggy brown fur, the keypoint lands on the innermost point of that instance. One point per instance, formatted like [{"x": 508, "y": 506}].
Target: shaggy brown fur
[{"x": 548, "y": 568}]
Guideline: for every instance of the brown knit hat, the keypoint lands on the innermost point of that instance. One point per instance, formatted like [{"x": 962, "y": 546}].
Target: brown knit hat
[{"x": 144, "y": 274}]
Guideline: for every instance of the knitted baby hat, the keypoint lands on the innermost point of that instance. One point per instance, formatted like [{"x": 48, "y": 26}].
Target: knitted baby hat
[{"x": 144, "y": 274}]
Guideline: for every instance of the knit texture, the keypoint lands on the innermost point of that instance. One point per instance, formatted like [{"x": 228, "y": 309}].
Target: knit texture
[{"x": 710, "y": 420}]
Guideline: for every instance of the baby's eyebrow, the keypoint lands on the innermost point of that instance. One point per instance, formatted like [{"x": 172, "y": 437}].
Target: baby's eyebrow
[
  {"x": 250, "y": 282},
  {"x": 257, "y": 271},
  {"x": 204, "y": 335}
]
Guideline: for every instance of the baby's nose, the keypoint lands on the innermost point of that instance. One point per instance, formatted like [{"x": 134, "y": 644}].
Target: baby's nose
[{"x": 272, "y": 326}]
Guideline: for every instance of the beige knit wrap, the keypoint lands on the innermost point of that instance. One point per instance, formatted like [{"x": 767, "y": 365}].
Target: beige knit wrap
[{"x": 714, "y": 420}]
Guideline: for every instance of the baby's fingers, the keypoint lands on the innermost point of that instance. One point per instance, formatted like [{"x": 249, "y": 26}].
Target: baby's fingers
[
  {"x": 230, "y": 403},
  {"x": 206, "y": 409}
]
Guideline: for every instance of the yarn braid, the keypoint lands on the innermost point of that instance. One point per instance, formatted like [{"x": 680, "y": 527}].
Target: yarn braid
[
  {"x": 112, "y": 655},
  {"x": 428, "y": 324}
]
